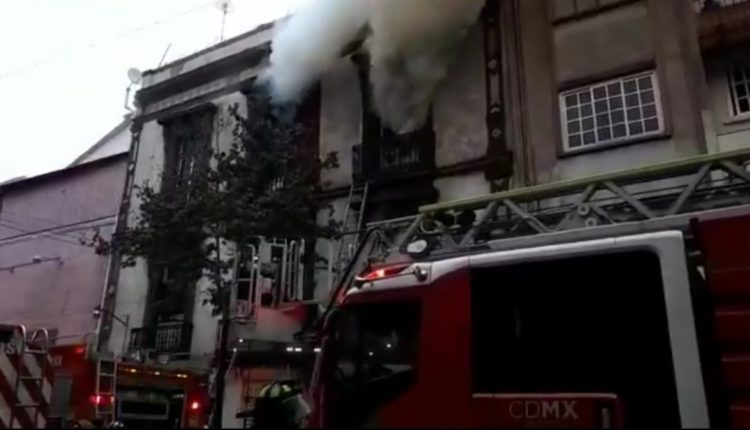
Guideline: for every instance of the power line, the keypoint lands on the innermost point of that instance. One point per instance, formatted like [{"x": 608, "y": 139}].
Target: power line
[
  {"x": 92, "y": 45},
  {"x": 51, "y": 236},
  {"x": 22, "y": 218},
  {"x": 50, "y": 232}
]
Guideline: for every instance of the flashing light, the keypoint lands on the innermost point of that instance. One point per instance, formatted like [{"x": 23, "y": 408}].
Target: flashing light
[
  {"x": 80, "y": 350},
  {"x": 384, "y": 272},
  {"x": 132, "y": 371},
  {"x": 317, "y": 350},
  {"x": 157, "y": 373},
  {"x": 98, "y": 399},
  {"x": 289, "y": 349},
  {"x": 297, "y": 349},
  {"x": 194, "y": 406}
]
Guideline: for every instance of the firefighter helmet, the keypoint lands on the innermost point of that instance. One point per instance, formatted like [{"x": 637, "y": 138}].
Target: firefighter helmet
[{"x": 280, "y": 405}]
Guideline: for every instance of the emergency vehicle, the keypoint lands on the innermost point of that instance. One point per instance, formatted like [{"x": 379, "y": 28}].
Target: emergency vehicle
[
  {"x": 614, "y": 301},
  {"x": 100, "y": 388},
  {"x": 25, "y": 377}
]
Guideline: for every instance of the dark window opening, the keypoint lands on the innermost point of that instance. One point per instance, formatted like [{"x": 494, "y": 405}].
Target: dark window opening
[{"x": 592, "y": 324}]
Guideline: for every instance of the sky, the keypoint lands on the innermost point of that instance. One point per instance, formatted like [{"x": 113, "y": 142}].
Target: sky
[{"x": 63, "y": 66}]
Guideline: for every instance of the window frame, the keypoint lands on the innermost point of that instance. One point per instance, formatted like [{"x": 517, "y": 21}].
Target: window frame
[
  {"x": 732, "y": 97},
  {"x": 598, "y": 7},
  {"x": 584, "y": 147}
]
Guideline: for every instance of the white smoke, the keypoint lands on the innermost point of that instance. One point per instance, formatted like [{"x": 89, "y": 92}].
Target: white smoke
[{"x": 410, "y": 42}]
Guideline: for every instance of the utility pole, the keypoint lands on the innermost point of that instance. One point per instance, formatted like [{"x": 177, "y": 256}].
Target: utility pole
[{"x": 221, "y": 357}]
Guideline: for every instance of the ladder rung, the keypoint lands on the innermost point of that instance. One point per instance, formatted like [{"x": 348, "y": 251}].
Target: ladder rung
[
  {"x": 111, "y": 375},
  {"x": 35, "y": 352},
  {"x": 105, "y": 393},
  {"x": 27, "y": 405}
]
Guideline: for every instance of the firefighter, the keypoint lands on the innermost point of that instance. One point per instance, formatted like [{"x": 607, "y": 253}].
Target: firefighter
[{"x": 280, "y": 405}]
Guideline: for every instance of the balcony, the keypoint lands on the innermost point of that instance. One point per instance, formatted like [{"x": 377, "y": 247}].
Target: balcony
[
  {"x": 722, "y": 22},
  {"x": 164, "y": 338},
  {"x": 396, "y": 157}
]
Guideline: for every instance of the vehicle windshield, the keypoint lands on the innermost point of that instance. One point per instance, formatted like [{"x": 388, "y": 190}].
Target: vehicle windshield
[{"x": 377, "y": 350}]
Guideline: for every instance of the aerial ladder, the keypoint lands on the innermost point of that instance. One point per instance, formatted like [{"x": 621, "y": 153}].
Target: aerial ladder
[{"x": 651, "y": 198}]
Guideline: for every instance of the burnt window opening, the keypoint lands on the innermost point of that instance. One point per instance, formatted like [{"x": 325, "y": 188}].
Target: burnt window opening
[
  {"x": 577, "y": 325},
  {"x": 383, "y": 153},
  {"x": 187, "y": 150}
]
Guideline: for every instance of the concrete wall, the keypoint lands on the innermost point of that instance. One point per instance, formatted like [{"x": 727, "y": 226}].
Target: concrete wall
[{"x": 614, "y": 42}]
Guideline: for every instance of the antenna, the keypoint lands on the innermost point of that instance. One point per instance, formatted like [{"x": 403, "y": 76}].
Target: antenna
[{"x": 226, "y": 7}]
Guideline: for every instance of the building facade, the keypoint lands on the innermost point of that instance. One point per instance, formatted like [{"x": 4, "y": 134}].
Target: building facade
[
  {"x": 49, "y": 226},
  {"x": 542, "y": 91}
]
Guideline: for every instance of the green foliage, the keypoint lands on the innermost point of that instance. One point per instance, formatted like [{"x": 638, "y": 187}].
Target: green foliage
[{"x": 265, "y": 184}]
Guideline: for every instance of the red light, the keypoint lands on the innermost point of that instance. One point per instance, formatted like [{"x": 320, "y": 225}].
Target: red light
[
  {"x": 384, "y": 272},
  {"x": 98, "y": 399},
  {"x": 80, "y": 350},
  {"x": 194, "y": 406}
]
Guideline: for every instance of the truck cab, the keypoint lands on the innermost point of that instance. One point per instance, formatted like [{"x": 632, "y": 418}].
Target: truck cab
[{"x": 591, "y": 334}]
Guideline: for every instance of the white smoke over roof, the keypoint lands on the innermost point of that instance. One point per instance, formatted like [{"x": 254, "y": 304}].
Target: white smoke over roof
[{"x": 410, "y": 42}]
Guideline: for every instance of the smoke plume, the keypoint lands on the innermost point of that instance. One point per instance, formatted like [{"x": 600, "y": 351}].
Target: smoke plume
[{"x": 410, "y": 43}]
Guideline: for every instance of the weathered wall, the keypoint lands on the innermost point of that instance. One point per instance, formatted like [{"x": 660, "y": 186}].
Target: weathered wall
[
  {"x": 47, "y": 217},
  {"x": 731, "y": 132},
  {"x": 460, "y": 107},
  {"x": 132, "y": 288},
  {"x": 633, "y": 37}
]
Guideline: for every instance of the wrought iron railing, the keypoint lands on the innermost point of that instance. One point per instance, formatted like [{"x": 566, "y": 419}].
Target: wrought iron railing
[
  {"x": 395, "y": 157},
  {"x": 169, "y": 337},
  {"x": 722, "y": 23}
]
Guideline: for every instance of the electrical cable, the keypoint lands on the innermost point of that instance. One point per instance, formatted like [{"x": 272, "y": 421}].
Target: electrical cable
[
  {"x": 51, "y": 236},
  {"x": 91, "y": 45}
]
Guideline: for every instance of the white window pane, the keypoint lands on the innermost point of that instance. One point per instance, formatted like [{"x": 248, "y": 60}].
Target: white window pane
[{"x": 613, "y": 111}]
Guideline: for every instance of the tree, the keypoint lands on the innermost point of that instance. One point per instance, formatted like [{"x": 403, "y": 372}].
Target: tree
[{"x": 265, "y": 184}]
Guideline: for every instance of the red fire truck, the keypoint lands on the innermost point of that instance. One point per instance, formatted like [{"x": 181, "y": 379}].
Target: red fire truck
[
  {"x": 102, "y": 389},
  {"x": 615, "y": 301},
  {"x": 25, "y": 377}
]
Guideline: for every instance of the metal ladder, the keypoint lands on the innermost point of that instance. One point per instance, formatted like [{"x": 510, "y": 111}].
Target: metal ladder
[
  {"x": 106, "y": 386},
  {"x": 39, "y": 347},
  {"x": 356, "y": 206},
  {"x": 655, "y": 197}
]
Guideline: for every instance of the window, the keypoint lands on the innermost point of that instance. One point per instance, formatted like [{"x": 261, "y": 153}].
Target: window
[
  {"x": 577, "y": 325},
  {"x": 739, "y": 88},
  {"x": 610, "y": 112},
  {"x": 377, "y": 354}
]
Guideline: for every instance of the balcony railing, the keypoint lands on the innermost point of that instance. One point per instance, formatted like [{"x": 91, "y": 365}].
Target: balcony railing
[
  {"x": 164, "y": 338},
  {"x": 395, "y": 157},
  {"x": 722, "y": 22}
]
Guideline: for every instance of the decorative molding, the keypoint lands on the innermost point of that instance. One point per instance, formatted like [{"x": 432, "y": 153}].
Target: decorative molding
[
  {"x": 493, "y": 56},
  {"x": 202, "y": 80}
]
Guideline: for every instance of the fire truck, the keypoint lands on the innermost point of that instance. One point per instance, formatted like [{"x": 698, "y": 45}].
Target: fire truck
[
  {"x": 98, "y": 388},
  {"x": 25, "y": 377},
  {"x": 611, "y": 301}
]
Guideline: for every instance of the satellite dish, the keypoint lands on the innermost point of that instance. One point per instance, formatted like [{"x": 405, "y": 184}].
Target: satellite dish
[
  {"x": 225, "y": 6},
  {"x": 135, "y": 76}
]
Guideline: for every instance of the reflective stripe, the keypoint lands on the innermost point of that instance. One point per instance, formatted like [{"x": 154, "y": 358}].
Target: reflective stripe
[{"x": 274, "y": 390}]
